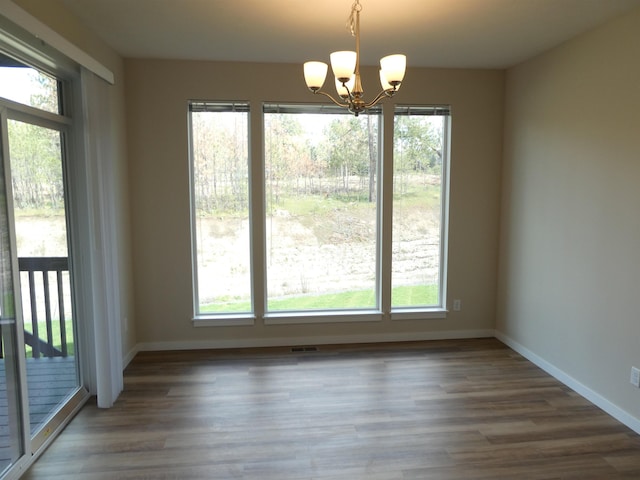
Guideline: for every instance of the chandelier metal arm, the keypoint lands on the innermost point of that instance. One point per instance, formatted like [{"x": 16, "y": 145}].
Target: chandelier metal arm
[
  {"x": 340, "y": 104},
  {"x": 355, "y": 104},
  {"x": 380, "y": 96}
]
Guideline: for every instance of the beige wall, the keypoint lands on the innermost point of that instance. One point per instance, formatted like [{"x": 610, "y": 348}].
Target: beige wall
[
  {"x": 569, "y": 255},
  {"x": 157, "y": 92},
  {"x": 570, "y": 229},
  {"x": 153, "y": 183},
  {"x": 54, "y": 15}
]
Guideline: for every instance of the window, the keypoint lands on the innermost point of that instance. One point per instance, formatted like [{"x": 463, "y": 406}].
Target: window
[
  {"x": 321, "y": 216},
  {"x": 420, "y": 158},
  {"x": 318, "y": 208},
  {"x": 220, "y": 206},
  {"x": 29, "y": 86}
]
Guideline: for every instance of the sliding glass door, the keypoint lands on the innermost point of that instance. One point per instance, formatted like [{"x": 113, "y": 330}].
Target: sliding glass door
[
  {"x": 36, "y": 160},
  {"x": 40, "y": 368}
]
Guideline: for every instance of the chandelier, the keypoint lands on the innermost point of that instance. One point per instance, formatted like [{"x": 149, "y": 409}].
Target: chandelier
[{"x": 346, "y": 69}]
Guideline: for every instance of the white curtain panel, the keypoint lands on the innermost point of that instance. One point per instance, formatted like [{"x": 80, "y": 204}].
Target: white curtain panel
[{"x": 102, "y": 189}]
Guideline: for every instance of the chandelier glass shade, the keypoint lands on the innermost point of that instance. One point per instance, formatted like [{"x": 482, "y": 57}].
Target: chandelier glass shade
[{"x": 346, "y": 70}]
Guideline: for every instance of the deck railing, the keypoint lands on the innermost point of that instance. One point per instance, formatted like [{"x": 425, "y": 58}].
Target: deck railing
[{"x": 36, "y": 285}]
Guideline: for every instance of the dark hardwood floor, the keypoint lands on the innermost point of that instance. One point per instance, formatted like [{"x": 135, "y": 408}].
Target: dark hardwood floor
[{"x": 467, "y": 409}]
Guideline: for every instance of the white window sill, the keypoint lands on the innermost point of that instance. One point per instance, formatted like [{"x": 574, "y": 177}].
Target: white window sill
[
  {"x": 418, "y": 314},
  {"x": 326, "y": 316},
  {"x": 242, "y": 319}
]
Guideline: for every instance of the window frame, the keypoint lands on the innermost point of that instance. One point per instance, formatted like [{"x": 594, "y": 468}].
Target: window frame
[
  {"x": 69, "y": 123},
  {"x": 384, "y": 206},
  {"x": 338, "y": 314},
  {"x": 440, "y": 310},
  {"x": 218, "y": 319}
]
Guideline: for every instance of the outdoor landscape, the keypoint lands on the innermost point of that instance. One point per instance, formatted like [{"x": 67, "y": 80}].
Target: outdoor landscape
[
  {"x": 40, "y": 227},
  {"x": 321, "y": 189}
]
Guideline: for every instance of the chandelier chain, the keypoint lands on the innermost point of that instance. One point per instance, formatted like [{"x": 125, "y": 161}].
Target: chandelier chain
[{"x": 352, "y": 20}]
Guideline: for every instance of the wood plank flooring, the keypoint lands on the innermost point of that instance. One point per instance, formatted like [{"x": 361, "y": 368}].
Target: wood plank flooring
[{"x": 442, "y": 410}]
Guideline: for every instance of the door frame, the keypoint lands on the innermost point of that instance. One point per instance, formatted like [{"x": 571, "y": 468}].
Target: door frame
[{"x": 33, "y": 445}]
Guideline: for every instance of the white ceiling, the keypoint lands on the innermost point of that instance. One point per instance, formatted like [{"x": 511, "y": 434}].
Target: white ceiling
[{"x": 434, "y": 33}]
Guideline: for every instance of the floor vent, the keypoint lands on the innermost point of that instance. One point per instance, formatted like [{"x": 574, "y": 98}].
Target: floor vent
[{"x": 303, "y": 349}]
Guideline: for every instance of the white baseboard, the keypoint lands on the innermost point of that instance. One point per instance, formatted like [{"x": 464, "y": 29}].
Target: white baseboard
[
  {"x": 314, "y": 340},
  {"x": 616, "y": 412},
  {"x": 129, "y": 356}
]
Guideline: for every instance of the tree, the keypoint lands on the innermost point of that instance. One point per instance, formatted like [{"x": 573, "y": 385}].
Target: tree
[
  {"x": 420, "y": 140},
  {"x": 35, "y": 152},
  {"x": 45, "y": 92},
  {"x": 286, "y": 154},
  {"x": 220, "y": 161},
  {"x": 36, "y": 166},
  {"x": 348, "y": 149}
]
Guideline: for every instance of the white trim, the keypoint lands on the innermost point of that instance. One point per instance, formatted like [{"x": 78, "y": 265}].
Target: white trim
[
  {"x": 40, "y": 30},
  {"x": 312, "y": 340},
  {"x": 223, "y": 320},
  {"x": 445, "y": 193},
  {"x": 36, "y": 116},
  {"x": 417, "y": 314},
  {"x": 130, "y": 356},
  {"x": 594, "y": 397},
  {"x": 284, "y": 318},
  {"x": 293, "y": 318}
]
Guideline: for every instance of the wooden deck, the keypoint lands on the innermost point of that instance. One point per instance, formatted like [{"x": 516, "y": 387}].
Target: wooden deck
[{"x": 50, "y": 381}]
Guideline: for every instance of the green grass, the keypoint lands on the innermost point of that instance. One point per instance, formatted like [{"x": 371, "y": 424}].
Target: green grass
[
  {"x": 426, "y": 197},
  {"x": 318, "y": 205},
  {"x": 414, "y": 296},
  {"x": 39, "y": 212},
  {"x": 408, "y": 296},
  {"x": 55, "y": 328}
]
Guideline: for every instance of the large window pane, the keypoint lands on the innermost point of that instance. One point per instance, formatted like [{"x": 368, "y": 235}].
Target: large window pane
[
  {"x": 26, "y": 85},
  {"x": 220, "y": 192},
  {"x": 321, "y": 193},
  {"x": 36, "y": 159},
  {"x": 420, "y": 161}
]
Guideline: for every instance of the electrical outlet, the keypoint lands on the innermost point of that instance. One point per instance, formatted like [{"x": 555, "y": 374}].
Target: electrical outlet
[
  {"x": 635, "y": 377},
  {"x": 457, "y": 305}
]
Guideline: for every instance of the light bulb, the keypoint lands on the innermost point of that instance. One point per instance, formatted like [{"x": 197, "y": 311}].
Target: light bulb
[
  {"x": 314, "y": 74},
  {"x": 393, "y": 68},
  {"x": 343, "y": 64}
]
